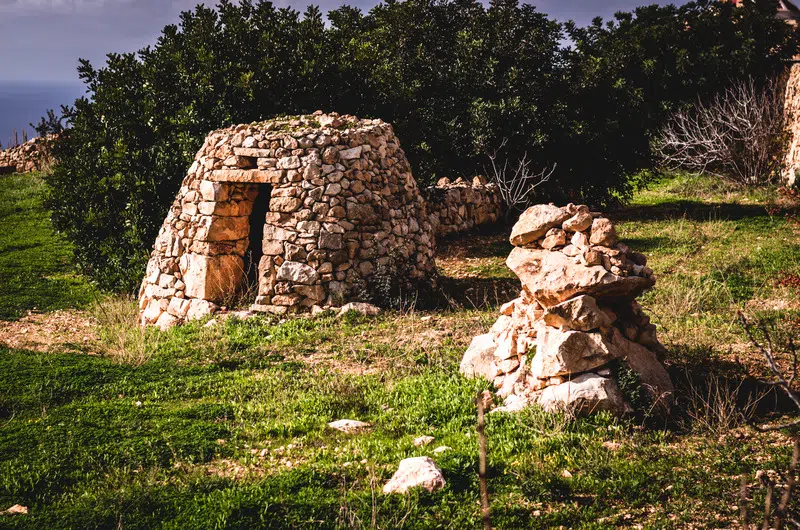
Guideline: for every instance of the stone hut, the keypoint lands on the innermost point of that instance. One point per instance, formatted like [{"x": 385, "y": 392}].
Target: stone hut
[{"x": 309, "y": 208}]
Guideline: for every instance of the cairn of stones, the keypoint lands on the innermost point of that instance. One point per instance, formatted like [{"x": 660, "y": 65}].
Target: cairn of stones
[
  {"x": 32, "y": 155},
  {"x": 342, "y": 205},
  {"x": 459, "y": 205},
  {"x": 576, "y": 324}
]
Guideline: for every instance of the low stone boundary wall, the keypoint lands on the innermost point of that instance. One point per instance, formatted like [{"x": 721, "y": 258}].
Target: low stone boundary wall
[
  {"x": 461, "y": 204},
  {"x": 30, "y": 156}
]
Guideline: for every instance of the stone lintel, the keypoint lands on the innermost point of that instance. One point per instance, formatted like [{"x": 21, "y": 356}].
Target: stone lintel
[
  {"x": 252, "y": 152},
  {"x": 256, "y": 176}
]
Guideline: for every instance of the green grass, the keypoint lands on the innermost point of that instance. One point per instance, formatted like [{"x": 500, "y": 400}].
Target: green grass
[
  {"x": 35, "y": 265},
  {"x": 225, "y": 426}
]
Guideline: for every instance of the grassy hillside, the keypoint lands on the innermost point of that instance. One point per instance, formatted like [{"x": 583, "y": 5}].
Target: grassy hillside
[
  {"x": 35, "y": 268},
  {"x": 225, "y": 426}
]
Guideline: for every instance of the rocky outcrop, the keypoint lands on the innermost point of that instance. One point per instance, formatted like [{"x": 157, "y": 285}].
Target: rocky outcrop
[
  {"x": 576, "y": 319},
  {"x": 341, "y": 204},
  {"x": 33, "y": 155},
  {"x": 459, "y": 205}
]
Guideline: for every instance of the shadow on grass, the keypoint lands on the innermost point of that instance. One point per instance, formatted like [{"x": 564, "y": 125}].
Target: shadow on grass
[
  {"x": 478, "y": 293},
  {"x": 694, "y": 210},
  {"x": 713, "y": 391},
  {"x": 485, "y": 241}
]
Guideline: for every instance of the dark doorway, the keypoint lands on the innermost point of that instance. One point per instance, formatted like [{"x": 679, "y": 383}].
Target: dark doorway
[{"x": 255, "y": 250}]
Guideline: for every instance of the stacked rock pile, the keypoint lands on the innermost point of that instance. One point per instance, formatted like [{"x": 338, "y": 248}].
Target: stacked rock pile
[
  {"x": 456, "y": 206},
  {"x": 576, "y": 323},
  {"x": 30, "y": 156}
]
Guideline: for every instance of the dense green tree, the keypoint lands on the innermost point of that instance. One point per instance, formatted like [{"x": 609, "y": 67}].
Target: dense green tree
[{"x": 455, "y": 77}]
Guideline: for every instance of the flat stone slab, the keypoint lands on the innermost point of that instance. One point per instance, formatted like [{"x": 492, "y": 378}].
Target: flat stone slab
[
  {"x": 256, "y": 176},
  {"x": 552, "y": 277},
  {"x": 349, "y": 426}
]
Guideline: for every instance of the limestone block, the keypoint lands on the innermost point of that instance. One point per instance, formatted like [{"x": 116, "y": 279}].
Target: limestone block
[
  {"x": 580, "y": 313},
  {"x": 552, "y": 277},
  {"x": 297, "y": 272},
  {"x": 261, "y": 176},
  {"x": 585, "y": 394},
  {"x": 569, "y": 352},
  {"x": 535, "y": 222},
  {"x": 350, "y": 154},
  {"x": 479, "y": 358},
  {"x": 603, "y": 233},
  {"x": 199, "y": 309},
  {"x": 210, "y": 277},
  {"x": 579, "y": 222},
  {"x": 213, "y": 228}
]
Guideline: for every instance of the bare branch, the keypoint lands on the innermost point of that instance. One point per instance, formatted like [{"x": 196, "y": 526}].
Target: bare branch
[
  {"x": 518, "y": 184},
  {"x": 737, "y": 135},
  {"x": 780, "y": 380}
]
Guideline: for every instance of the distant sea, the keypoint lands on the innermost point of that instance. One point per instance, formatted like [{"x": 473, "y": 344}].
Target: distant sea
[{"x": 25, "y": 102}]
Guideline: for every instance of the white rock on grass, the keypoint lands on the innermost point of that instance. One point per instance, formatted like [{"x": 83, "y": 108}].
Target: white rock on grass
[
  {"x": 349, "y": 426},
  {"x": 423, "y": 440},
  {"x": 441, "y": 449},
  {"x": 417, "y": 472},
  {"x": 17, "y": 509},
  {"x": 360, "y": 307}
]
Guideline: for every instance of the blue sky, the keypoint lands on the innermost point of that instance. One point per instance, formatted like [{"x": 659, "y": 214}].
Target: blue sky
[{"x": 41, "y": 40}]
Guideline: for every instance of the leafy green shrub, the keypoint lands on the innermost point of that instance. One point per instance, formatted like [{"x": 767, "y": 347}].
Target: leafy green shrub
[{"x": 455, "y": 79}]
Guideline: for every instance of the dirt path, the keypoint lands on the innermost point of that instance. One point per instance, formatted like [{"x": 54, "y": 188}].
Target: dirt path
[{"x": 57, "y": 331}]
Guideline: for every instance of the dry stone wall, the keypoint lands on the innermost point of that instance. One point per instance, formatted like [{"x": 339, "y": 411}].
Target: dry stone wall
[
  {"x": 30, "y": 156},
  {"x": 577, "y": 315},
  {"x": 461, "y": 204},
  {"x": 342, "y": 205}
]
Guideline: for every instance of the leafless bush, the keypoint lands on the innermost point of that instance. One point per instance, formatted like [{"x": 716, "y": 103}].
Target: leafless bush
[
  {"x": 738, "y": 135},
  {"x": 516, "y": 183}
]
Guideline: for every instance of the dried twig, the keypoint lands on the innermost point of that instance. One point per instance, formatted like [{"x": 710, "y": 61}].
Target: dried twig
[
  {"x": 482, "y": 403},
  {"x": 779, "y": 380}
]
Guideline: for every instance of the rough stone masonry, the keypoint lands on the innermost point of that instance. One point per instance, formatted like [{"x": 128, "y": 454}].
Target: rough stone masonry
[
  {"x": 576, "y": 318},
  {"x": 342, "y": 203},
  {"x": 33, "y": 155}
]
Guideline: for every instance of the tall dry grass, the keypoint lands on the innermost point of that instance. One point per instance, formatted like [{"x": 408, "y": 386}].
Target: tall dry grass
[{"x": 122, "y": 339}]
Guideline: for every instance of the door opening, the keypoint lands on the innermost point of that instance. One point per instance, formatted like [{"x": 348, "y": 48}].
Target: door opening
[{"x": 255, "y": 250}]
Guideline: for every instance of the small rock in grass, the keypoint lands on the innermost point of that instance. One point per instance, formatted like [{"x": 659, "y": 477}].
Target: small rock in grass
[
  {"x": 442, "y": 449},
  {"x": 17, "y": 509},
  {"x": 349, "y": 426},
  {"x": 415, "y": 472},
  {"x": 360, "y": 307},
  {"x": 423, "y": 440},
  {"x": 211, "y": 323}
]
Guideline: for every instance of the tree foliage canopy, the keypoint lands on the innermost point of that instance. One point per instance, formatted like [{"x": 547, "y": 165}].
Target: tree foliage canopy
[{"x": 454, "y": 77}]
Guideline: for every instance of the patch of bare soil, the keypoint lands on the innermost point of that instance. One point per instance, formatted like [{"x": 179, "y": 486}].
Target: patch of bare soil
[{"x": 54, "y": 332}]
